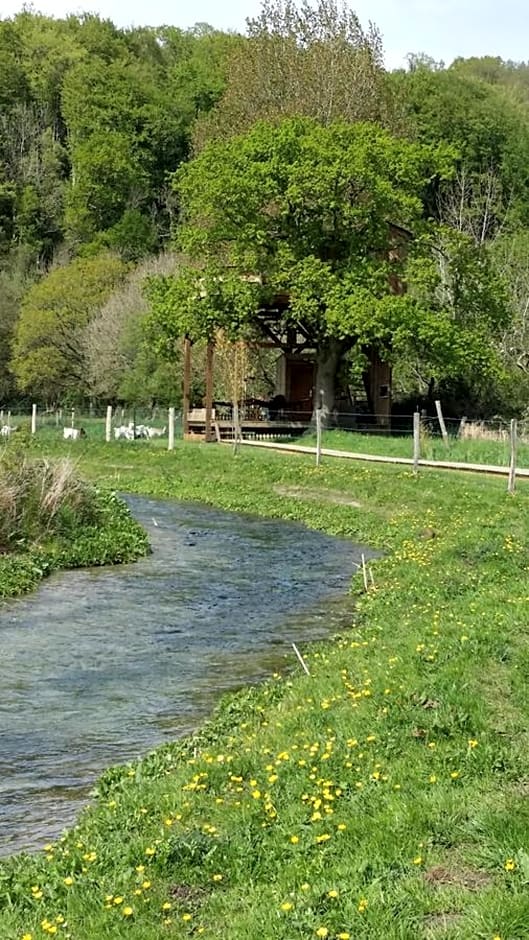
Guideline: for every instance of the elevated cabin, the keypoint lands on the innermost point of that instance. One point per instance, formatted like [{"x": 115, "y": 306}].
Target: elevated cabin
[{"x": 289, "y": 411}]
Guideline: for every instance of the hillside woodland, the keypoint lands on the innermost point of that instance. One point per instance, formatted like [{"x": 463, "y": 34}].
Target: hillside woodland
[{"x": 138, "y": 164}]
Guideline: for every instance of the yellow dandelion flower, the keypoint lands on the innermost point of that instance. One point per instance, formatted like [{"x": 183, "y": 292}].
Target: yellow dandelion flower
[
  {"x": 27, "y": 936},
  {"x": 323, "y": 838},
  {"x": 344, "y": 935},
  {"x": 149, "y": 851},
  {"x": 418, "y": 860},
  {"x": 166, "y": 906},
  {"x": 362, "y": 905},
  {"x": 127, "y": 912},
  {"x": 455, "y": 774},
  {"x": 286, "y": 906},
  {"x": 187, "y": 917},
  {"x": 510, "y": 864},
  {"x": 322, "y": 932},
  {"x": 218, "y": 877},
  {"x": 472, "y": 743},
  {"x": 333, "y": 893},
  {"x": 118, "y": 899},
  {"x": 68, "y": 881},
  {"x": 256, "y": 794},
  {"x": 294, "y": 840}
]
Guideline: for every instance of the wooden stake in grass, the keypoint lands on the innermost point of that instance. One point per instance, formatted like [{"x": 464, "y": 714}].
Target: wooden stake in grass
[
  {"x": 300, "y": 657},
  {"x": 442, "y": 424},
  {"x": 33, "y": 419},
  {"x": 512, "y": 465},
  {"x": 170, "y": 424},
  {"x": 416, "y": 441},
  {"x": 319, "y": 412}
]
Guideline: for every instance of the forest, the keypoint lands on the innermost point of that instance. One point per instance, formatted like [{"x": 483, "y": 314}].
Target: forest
[{"x": 156, "y": 182}]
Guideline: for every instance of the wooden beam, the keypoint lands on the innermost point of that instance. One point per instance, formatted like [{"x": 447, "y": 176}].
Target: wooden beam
[
  {"x": 209, "y": 389},
  {"x": 187, "y": 386}
]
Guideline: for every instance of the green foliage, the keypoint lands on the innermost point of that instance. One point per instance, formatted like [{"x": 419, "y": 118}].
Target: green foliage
[
  {"x": 52, "y": 519},
  {"x": 49, "y": 345},
  {"x": 327, "y": 215}
]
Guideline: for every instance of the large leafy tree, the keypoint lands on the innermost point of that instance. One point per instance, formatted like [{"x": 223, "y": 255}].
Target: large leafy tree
[
  {"x": 49, "y": 352},
  {"x": 310, "y": 59},
  {"x": 325, "y": 215}
]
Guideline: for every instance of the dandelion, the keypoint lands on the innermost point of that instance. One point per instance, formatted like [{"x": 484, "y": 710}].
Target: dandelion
[
  {"x": 323, "y": 838},
  {"x": 472, "y": 743},
  {"x": 333, "y": 893},
  {"x": 256, "y": 794},
  {"x": 322, "y": 932},
  {"x": 418, "y": 860},
  {"x": 27, "y": 936},
  {"x": 146, "y": 884},
  {"x": 344, "y": 935},
  {"x": 118, "y": 900},
  {"x": 127, "y": 912},
  {"x": 305, "y": 886},
  {"x": 187, "y": 917},
  {"x": 150, "y": 851},
  {"x": 286, "y": 906},
  {"x": 510, "y": 864},
  {"x": 218, "y": 877},
  {"x": 294, "y": 840},
  {"x": 166, "y": 906},
  {"x": 68, "y": 881},
  {"x": 362, "y": 905},
  {"x": 455, "y": 774}
]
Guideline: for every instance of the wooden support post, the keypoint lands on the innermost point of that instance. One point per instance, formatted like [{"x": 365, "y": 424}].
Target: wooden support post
[
  {"x": 34, "y": 419},
  {"x": 416, "y": 441},
  {"x": 462, "y": 426},
  {"x": 442, "y": 424},
  {"x": 170, "y": 428},
  {"x": 187, "y": 386},
  {"x": 108, "y": 424},
  {"x": 512, "y": 465},
  {"x": 237, "y": 436},
  {"x": 209, "y": 389}
]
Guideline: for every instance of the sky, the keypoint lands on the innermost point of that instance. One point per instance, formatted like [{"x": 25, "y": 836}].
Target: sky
[{"x": 444, "y": 29}]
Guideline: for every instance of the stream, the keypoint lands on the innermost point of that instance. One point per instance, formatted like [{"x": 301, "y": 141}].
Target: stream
[{"x": 99, "y": 666}]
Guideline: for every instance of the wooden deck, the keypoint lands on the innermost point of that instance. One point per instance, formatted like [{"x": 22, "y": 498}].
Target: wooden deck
[{"x": 253, "y": 429}]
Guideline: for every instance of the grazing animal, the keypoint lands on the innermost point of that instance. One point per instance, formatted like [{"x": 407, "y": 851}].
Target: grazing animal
[
  {"x": 7, "y": 429},
  {"x": 123, "y": 433},
  {"x": 73, "y": 434},
  {"x": 156, "y": 432}
]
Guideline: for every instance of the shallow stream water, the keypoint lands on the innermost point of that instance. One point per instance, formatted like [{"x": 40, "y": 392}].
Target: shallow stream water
[{"x": 99, "y": 666}]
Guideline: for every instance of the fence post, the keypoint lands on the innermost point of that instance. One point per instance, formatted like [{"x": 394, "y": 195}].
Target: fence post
[
  {"x": 170, "y": 425},
  {"x": 34, "y": 419},
  {"x": 512, "y": 465},
  {"x": 108, "y": 424},
  {"x": 442, "y": 424},
  {"x": 236, "y": 427},
  {"x": 318, "y": 429},
  {"x": 416, "y": 441},
  {"x": 2, "y": 416}
]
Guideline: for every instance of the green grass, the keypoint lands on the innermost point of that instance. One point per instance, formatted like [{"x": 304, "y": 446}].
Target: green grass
[
  {"x": 385, "y": 796},
  {"x": 433, "y": 447}
]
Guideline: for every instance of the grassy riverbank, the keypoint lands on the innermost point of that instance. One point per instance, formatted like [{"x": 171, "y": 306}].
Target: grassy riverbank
[
  {"x": 50, "y": 518},
  {"x": 384, "y": 796}
]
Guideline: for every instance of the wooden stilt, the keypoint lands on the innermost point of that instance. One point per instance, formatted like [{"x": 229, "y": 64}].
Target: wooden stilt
[
  {"x": 209, "y": 389},
  {"x": 187, "y": 386}
]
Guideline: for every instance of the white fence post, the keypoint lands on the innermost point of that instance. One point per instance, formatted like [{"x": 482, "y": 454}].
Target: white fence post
[
  {"x": 34, "y": 419},
  {"x": 108, "y": 425},
  {"x": 170, "y": 423}
]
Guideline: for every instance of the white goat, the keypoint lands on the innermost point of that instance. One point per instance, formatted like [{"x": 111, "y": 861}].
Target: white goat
[
  {"x": 156, "y": 432},
  {"x": 73, "y": 434},
  {"x": 6, "y": 430}
]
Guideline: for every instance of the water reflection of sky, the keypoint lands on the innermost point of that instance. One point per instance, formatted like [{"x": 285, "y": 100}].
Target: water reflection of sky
[{"x": 99, "y": 666}]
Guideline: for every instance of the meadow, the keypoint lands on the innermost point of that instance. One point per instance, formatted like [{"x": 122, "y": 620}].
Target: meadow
[{"x": 383, "y": 796}]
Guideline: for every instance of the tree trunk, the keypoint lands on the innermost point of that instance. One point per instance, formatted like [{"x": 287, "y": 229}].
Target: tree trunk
[{"x": 328, "y": 359}]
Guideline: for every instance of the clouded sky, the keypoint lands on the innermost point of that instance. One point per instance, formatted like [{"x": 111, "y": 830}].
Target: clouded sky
[{"x": 444, "y": 29}]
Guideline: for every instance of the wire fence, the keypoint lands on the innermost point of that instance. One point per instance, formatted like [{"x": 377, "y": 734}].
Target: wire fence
[{"x": 423, "y": 437}]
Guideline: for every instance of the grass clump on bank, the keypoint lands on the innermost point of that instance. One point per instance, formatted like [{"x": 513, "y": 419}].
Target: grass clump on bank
[
  {"x": 51, "y": 518},
  {"x": 384, "y": 796}
]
